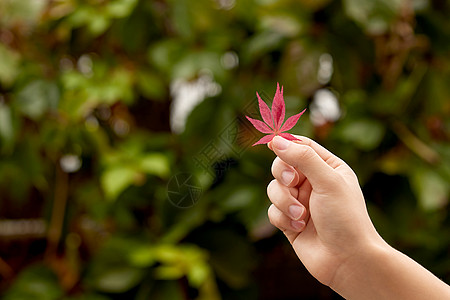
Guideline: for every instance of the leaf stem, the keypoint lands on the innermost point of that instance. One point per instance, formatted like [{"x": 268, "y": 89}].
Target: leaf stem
[
  {"x": 415, "y": 144},
  {"x": 58, "y": 211}
]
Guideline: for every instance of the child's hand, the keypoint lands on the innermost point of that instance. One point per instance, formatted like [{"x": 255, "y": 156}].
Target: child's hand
[{"x": 318, "y": 204}]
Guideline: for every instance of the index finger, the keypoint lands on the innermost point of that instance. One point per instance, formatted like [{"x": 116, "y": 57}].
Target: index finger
[{"x": 331, "y": 159}]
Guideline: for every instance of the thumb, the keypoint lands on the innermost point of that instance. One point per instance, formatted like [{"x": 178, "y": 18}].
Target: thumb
[{"x": 307, "y": 161}]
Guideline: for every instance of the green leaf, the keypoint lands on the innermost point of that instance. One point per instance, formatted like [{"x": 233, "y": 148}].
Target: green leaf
[
  {"x": 165, "y": 53},
  {"x": 6, "y": 126},
  {"x": 21, "y": 11},
  {"x": 260, "y": 44},
  {"x": 365, "y": 134},
  {"x": 98, "y": 24},
  {"x": 117, "y": 279},
  {"x": 35, "y": 283},
  {"x": 98, "y": 18},
  {"x": 151, "y": 85},
  {"x": 175, "y": 261},
  {"x": 192, "y": 63},
  {"x": 198, "y": 273},
  {"x": 182, "y": 18},
  {"x": 169, "y": 272},
  {"x": 287, "y": 25},
  {"x": 116, "y": 179},
  {"x": 125, "y": 169},
  {"x": 9, "y": 65},
  {"x": 374, "y": 16},
  {"x": 238, "y": 198},
  {"x": 37, "y": 98},
  {"x": 431, "y": 189},
  {"x": 84, "y": 92},
  {"x": 231, "y": 255},
  {"x": 121, "y": 8},
  {"x": 155, "y": 164},
  {"x": 143, "y": 256}
]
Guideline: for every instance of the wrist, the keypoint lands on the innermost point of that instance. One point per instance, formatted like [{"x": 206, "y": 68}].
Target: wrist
[{"x": 354, "y": 273}]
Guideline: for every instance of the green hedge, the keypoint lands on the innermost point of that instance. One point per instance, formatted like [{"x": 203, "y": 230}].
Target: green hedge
[{"x": 135, "y": 204}]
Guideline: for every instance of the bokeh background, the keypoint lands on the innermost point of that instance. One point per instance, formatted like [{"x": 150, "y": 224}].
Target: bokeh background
[{"x": 126, "y": 166}]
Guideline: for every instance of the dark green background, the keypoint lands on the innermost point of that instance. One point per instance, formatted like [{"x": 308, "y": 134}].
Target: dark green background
[{"x": 89, "y": 83}]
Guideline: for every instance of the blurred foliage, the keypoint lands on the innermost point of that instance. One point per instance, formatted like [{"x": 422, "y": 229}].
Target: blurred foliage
[{"x": 133, "y": 210}]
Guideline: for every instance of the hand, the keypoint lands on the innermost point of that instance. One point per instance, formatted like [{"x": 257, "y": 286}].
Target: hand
[{"x": 318, "y": 204}]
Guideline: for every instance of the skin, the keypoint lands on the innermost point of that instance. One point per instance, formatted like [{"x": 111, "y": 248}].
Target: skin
[{"x": 318, "y": 204}]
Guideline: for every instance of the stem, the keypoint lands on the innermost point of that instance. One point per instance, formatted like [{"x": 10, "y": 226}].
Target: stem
[
  {"x": 58, "y": 211},
  {"x": 415, "y": 144}
]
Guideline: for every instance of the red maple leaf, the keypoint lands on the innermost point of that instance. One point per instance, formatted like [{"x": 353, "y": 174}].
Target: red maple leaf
[{"x": 273, "y": 120}]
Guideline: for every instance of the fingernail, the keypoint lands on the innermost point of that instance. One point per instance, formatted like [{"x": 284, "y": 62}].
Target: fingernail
[
  {"x": 295, "y": 211},
  {"x": 287, "y": 176},
  {"x": 297, "y": 225},
  {"x": 280, "y": 143}
]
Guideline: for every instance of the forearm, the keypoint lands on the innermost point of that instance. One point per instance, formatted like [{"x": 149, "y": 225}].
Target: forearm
[{"x": 385, "y": 273}]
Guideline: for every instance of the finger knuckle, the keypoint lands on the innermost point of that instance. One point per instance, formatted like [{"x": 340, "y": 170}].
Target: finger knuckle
[
  {"x": 306, "y": 153},
  {"x": 306, "y": 140}
]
